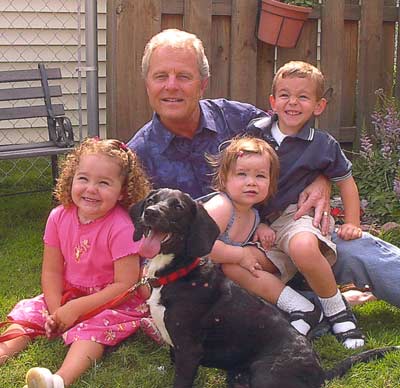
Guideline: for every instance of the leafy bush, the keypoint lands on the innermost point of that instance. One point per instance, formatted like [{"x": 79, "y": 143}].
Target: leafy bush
[
  {"x": 391, "y": 235},
  {"x": 377, "y": 166},
  {"x": 300, "y": 3}
]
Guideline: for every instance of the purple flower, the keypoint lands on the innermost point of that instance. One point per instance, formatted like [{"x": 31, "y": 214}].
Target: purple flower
[
  {"x": 396, "y": 186},
  {"x": 366, "y": 146}
]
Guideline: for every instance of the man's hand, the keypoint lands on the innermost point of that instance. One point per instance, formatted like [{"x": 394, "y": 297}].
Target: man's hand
[{"x": 316, "y": 196}]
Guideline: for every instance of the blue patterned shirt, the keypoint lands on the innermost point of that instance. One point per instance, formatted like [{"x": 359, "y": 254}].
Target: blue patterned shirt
[{"x": 178, "y": 162}]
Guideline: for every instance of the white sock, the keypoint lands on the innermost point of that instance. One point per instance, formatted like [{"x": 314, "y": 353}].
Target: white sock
[
  {"x": 58, "y": 381},
  {"x": 334, "y": 305},
  {"x": 289, "y": 300}
]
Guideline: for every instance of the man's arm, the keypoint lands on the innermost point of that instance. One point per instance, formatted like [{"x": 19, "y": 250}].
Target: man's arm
[{"x": 317, "y": 196}]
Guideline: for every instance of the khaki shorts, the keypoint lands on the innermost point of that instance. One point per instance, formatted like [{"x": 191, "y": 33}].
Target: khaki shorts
[{"x": 285, "y": 228}]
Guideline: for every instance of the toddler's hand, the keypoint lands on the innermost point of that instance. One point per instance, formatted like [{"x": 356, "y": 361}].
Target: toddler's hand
[
  {"x": 144, "y": 291},
  {"x": 249, "y": 261},
  {"x": 349, "y": 231},
  {"x": 66, "y": 315},
  {"x": 51, "y": 327},
  {"x": 265, "y": 235}
]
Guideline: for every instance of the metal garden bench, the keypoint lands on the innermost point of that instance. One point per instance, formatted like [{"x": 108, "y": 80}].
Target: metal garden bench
[{"x": 60, "y": 135}]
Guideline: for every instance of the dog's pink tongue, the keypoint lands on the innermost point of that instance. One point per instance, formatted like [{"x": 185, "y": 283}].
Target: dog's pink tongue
[{"x": 151, "y": 245}]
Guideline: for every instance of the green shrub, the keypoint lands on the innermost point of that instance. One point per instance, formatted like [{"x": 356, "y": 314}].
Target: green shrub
[{"x": 376, "y": 167}]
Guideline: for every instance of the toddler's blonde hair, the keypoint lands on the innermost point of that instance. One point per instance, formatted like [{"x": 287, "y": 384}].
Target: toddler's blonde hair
[{"x": 223, "y": 162}]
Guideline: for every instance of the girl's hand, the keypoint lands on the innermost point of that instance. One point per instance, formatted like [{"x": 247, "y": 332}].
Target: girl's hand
[
  {"x": 349, "y": 231},
  {"x": 144, "y": 291},
  {"x": 249, "y": 262},
  {"x": 265, "y": 235},
  {"x": 65, "y": 316},
  {"x": 51, "y": 327}
]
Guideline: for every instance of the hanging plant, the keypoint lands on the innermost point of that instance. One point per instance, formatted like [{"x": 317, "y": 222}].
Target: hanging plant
[{"x": 281, "y": 22}]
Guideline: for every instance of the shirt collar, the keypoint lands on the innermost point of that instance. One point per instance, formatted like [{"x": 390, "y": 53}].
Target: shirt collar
[
  {"x": 305, "y": 133},
  {"x": 165, "y": 137},
  {"x": 207, "y": 119}
]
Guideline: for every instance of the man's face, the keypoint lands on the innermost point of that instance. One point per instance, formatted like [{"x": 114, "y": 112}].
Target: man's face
[{"x": 174, "y": 86}]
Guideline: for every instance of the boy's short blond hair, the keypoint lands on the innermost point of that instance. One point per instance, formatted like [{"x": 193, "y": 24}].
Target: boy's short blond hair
[
  {"x": 223, "y": 162},
  {"x": 299, "y": 69}
]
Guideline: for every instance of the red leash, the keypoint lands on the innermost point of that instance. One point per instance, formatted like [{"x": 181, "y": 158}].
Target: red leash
[
  {"x": 74, "y": 293},
  {"x": 68, "y": 295}
]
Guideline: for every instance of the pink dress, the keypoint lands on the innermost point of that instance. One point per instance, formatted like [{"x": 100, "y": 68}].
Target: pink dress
[{"x": 89, "y": 253}]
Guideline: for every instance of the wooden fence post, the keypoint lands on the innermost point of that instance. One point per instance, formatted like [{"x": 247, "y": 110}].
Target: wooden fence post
[
  {"x": 370, "y": 60},
  {"x": 243, "y": 82},
  {"x": 127, "y": 102},
  {"x": 332, "y": 33},
  {"x": 197, "y": 16}
]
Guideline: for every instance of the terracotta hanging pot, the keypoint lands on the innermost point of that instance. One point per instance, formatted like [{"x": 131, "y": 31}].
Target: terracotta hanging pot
[{"x": 281, "y": 24}]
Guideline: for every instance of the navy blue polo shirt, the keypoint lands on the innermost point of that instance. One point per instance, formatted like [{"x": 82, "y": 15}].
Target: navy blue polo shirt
[
  {"x": 303, "y": 157},
  {"x": 178, "y": 162}
]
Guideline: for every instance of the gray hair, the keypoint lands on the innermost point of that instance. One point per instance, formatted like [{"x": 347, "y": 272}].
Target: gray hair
[{"x": 175, "y": 38}]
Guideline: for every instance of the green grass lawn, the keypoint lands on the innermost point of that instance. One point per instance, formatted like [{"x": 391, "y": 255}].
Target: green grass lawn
[{"x": 138, "y": 362}]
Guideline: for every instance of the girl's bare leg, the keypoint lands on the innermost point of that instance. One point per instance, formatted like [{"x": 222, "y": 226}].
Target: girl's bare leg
[
  {"x": 80, "y": 357},
  {"x": 270, "y": 288},
  {"x": 266, "y": 285},
  {"x": 14, "y": 346}
]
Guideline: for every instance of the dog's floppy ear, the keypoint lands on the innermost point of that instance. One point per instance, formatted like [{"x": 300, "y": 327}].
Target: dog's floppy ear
[
  {"x": 136, "y": 212},
  {"x": 203, "y": 233}
]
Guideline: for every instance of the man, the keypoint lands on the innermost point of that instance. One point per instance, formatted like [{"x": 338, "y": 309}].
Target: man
[{"x": 184, "y": 128}]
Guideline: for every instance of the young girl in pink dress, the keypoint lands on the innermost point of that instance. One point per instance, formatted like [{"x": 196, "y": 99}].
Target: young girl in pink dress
[{"x": 88, "y": 248}]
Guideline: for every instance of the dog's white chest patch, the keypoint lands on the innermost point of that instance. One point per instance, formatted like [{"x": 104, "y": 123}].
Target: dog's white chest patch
[
  {"x": 157, "y": 312},
  {"x": 156, "y": 309}
]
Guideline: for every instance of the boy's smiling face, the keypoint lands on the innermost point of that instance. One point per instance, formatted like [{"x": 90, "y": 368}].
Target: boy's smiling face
[{"x": 295, "y": 102}]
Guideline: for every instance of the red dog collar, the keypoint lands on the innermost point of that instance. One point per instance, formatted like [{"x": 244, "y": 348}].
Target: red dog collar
[{"x": 181, "y": 272}]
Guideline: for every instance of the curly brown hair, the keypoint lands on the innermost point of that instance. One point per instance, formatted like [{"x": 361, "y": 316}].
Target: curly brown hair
[
  {"x": 223, "y": 162},
  {"x": 135, "y": 186}
]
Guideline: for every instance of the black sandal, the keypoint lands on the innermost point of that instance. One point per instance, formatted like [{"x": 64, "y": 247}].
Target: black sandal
[
  {"x": 345, "y": 316},
  {"x": 312, "y": 318}
]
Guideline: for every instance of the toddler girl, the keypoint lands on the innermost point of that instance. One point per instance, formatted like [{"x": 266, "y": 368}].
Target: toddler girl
[
  {"x": 246, "y": 175},
  {"x": 88, "y": 254}
]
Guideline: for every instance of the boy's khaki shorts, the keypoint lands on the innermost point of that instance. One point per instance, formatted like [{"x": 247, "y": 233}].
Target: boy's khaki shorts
[{"x": 285, "y": 228}]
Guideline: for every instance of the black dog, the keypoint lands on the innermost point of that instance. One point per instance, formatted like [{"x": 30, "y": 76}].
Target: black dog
[{"x": 209, "y": 320}]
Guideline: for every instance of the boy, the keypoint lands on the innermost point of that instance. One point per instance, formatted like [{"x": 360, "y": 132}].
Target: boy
[{"x": 305, "y": 153}]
